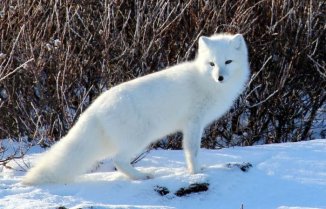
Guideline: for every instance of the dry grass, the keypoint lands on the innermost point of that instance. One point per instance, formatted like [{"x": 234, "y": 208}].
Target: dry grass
[{"x": 57, "y": 56}]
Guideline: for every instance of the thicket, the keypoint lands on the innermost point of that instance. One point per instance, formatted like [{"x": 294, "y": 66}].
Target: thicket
[{"x": 57, "y": 56}]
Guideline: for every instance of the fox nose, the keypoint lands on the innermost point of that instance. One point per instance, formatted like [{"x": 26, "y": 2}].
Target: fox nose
[{"x": 220, "y": 78}]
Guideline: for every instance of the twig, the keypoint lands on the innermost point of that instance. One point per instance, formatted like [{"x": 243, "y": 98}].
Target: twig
[
  {"x": 12, "y": 53},
  {"x": 176, "y": 18},
  {"x": 141, "y": 156},
  {"x": 318, "y": 66},
  {"x": 263, "y": 101},
  {"x": 80, "y": 106},
  {"x": 254, "y": 76},
  {"x": 16, "y": 69}
]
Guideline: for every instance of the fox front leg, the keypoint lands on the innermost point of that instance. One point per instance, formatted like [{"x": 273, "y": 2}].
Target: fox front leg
[{"x": 191, "y": 144}]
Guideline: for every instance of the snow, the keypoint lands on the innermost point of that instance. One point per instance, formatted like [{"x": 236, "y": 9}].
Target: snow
[{"x": 283, "y": 176}]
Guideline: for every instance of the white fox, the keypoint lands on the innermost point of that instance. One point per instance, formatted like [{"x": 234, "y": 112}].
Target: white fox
[{"x": 128, "y": 117}]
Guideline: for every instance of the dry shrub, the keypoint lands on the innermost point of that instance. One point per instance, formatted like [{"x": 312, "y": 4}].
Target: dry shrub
[{"x": 57, "y": 56}]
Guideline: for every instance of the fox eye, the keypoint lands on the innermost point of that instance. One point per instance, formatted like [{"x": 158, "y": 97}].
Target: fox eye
[
  {"x": 228, "y": 62},
  {"x": 211, "y": 64}
]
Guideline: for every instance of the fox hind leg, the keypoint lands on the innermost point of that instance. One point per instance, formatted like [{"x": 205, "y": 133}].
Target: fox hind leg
[{"x": 123, "y": 165}]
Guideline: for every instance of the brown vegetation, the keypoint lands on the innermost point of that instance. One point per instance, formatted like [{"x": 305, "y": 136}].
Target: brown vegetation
[{"x": 57, "y": 56}]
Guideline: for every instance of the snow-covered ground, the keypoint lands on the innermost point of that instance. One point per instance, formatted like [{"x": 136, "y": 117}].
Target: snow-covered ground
[{"x": 283, "y": 176}]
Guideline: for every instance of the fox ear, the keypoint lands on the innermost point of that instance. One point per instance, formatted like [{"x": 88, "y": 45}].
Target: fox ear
[
  {"x": 203, "y": 41},
  {"x": 237, "y": 41}
]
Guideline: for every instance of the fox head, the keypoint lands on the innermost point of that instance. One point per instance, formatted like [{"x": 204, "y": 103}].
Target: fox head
[{"x": 223, "y": 57}]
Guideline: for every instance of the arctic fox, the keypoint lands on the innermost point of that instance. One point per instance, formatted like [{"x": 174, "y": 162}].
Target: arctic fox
[{"x": 122, "y": 121}]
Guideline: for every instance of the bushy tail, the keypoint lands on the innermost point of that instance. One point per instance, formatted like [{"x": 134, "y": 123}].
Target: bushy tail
[{"x": 73, "y": 155}]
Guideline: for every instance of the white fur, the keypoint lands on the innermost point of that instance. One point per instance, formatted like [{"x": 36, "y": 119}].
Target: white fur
[{"x": 125, "y": 119}]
